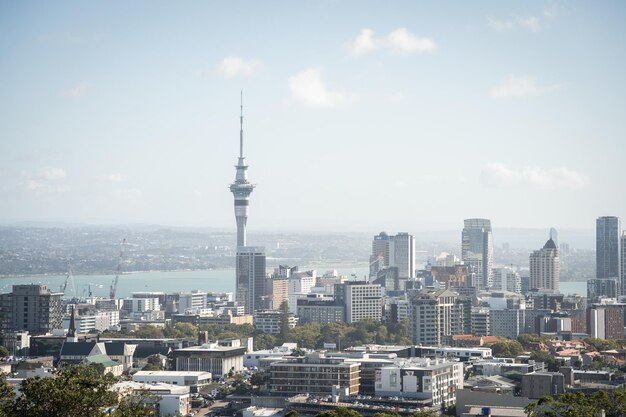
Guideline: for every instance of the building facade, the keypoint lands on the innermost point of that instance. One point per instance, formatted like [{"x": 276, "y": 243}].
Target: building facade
[
  {"x": 477, "y": 250},
  {"x": 251, "y": 279},
  {"x": 435, "y": 316},
  {"x": 545, "y": 267},
  {"x": 33, "y": 308},
  {"x": 361, "y": 300},
  {"x": 608, "y": 232}
]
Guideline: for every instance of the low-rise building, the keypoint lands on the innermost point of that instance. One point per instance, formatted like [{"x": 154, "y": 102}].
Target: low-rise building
[
  {"x": 210, "y": 357},
  {"x": 259, "y": 358},
  {"x": 317, "y": 308},
  {"x": 268, "y": 321},
  {"x": 539, "y": 384},
  {"x": 435, "y": 380},
  {"x": 461, "y": 353},
  {"x": 195, "y": 380},
  {"x": 173, "y": 400},
  {"x": 314, "y": 373}
]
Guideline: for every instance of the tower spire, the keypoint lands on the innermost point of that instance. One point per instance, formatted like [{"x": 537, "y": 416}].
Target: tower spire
[{"x": 241, "y": 126}]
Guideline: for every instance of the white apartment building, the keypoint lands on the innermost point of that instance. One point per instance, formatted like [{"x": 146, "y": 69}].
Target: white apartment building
[
  {"x": 299, "y": 284},
  {"x": 192, "y": 300},
  {"x": 141, "y": 305},
  {"x": 361, "y": 300},
  {"x": 436, "y": 380},
  {"x": 268, "y": 321}
]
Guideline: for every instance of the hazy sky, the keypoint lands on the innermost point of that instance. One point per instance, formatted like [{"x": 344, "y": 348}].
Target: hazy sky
[{"x": 398, "y": 115}]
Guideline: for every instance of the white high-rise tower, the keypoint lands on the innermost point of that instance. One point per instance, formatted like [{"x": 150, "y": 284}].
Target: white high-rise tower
[{"x": 241, "y": 188}]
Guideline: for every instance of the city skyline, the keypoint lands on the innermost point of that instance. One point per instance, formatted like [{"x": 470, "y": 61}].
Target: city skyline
[{"x": 139, "y": 129}]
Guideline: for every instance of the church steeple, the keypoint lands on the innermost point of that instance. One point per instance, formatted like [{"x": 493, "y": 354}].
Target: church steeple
[{"x": 71, "y": 331}]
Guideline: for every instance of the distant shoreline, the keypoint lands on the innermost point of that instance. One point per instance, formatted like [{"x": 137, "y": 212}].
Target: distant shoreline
[{"x": 61, "y": 274}]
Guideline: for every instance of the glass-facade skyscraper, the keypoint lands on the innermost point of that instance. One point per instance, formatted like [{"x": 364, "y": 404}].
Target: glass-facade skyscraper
[{"x": 477, "y": 250}]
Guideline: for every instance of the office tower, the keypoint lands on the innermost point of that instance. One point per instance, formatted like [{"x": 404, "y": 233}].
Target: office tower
[
  {"x": 545, "y": 267},
  {"x": 241, "y": 189},
  {"x": 361, "y": 300},
  {"x": 251, "y": 280},
  {"x": 477, "y": 250},
  {"x": 402, "y": 254},
  {"x": 606, "y": 321},
  {"x": 397, "y": 251},
  {"x": 33, "y": 308},
  {"x": 602, "y": 288},
  {"x": 623, "y": 262},
  {"x": 608, "y": 247}
]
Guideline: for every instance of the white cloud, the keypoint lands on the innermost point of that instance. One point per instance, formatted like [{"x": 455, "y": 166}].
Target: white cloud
[
  {"x": 116, "y": 177},
  {"x": 52, "y": 173},
  {"x": 520, "y": 86},
  {"x": 498, "y": 175},
  {"x": 403, "y": 41},
  {"x": 363, "y": 43},
  {"x": 233, "y": 66},
  {"x": 78, "y": 90},
  {"x": 308, "y": 89},
  {"x": 531, "y": 23},
  {"x": 398, "y": 41}
]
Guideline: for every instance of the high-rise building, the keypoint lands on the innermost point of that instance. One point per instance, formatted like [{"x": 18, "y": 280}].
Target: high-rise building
[
  {"x": 33, "y": 308},
  {"x": 361, "y": 300},
  {"x": 251, "y": 277},
  {"x": 435, "y": 316},
  {"x": 402, "y": 254},
  {"x": 545, "y": 267},
  {"x": 507, "y": 279},
  {"x": 397, "y": 251},
  {"x": 623, "y": 262},
  {"x": 241, "y": 189},
  {"x": 477, "y": 250},
  {"x": 608, "y": 247}
]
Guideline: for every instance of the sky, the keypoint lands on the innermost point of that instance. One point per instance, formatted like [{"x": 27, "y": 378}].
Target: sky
[{"x": 358, "y": 115}]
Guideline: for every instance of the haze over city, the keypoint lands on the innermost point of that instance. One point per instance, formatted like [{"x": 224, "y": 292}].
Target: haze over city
[{"x": 357, "y": 116}]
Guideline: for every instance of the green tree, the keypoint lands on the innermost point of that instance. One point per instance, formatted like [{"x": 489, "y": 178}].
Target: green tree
[
  {"x": 4, "y": 352},
  {"x": 182, "y": 331},
  {"x": 339, "y": 412},
  {"x": 258, "y": 378},
  {"x": 7, "y": 397},
  {"x": 72, "y": 391},
  {"x": 265, "y": 341},
  {"x": 387, "y": 414},
  {"x": 154, "y": 364},
  {"x": 306, "y": 336},
  {"x": 141, "y": 404},
  {"x": 507, "y": 348},
  {"x": 292, "y": 413}
]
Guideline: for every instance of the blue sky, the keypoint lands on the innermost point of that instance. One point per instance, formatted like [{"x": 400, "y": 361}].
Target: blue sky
[{"x": 358, "y": 115}]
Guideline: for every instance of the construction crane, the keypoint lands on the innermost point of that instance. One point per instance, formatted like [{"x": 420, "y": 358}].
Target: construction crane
[
  {"x": 69, "y": 277},
  {"x": 119, "y": 270}
]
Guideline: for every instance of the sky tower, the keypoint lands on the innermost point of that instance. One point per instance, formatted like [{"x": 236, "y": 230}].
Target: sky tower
[{"x": 241, "y": 188}]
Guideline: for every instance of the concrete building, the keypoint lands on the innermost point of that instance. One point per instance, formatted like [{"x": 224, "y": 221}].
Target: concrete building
[
  {"x": 173, "y": 400},
  {"x": 191, "y": 301},
  {"x": 299, "y": 285},
  {"x": 260, "y": 358},
  {"x": 539, "y": 384},
  {"x": 477, "y": 250},
  {"x": 545, "y": 267},
  {"x": 433, "y": 380},
  {"x": 361, "y": 300},
  {"x": 278, "y": 292},
  {"x": 98, "y": 320},
  {"x": 317, "y": 308},
  {"x": 606, "y": 321},
  {"x": 315, "y": 374},
  {"x": 480, "y": 321},
  {"x": 211, "y": 357},
  {"x": 451, "y": 277},
  {"x": 33, "y": 308},
  {"x": 250, "y": 272},
  {"x": 434, "y": 316},
  {"x": 141, "y": 305},
  {"x": 268, "y": 321},
  {"x": 608, "y": 232},
  {"x": 194, "y": 380},
  {"x": 602, "y": 288},
  {"x": 507, "y": 323},
  {"x": 402, "y": 254},
  {"x": 507, "y": 279}
]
